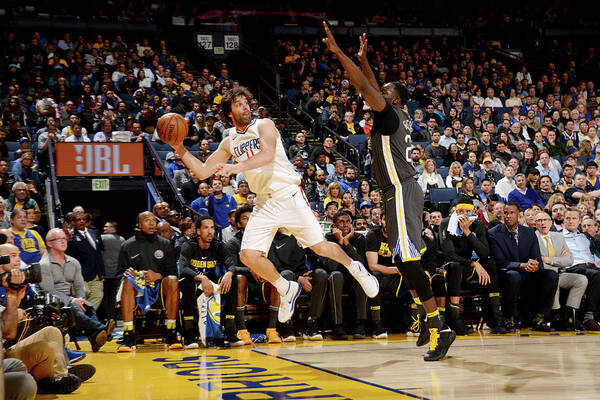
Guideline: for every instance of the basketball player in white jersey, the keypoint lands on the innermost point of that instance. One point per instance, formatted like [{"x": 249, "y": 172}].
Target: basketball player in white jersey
[{"x": 256, "y": 148}]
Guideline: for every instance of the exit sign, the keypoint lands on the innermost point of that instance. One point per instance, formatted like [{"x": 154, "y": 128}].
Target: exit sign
[{"x": 100, "y": 185}]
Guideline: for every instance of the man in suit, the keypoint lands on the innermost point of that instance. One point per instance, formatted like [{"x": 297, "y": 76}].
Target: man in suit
[
  {"x": 517, "y": 253},
  {"x": 557, "y": 256},
  {"x": 585, "y": 262},
  {"x": 87, "y": 249}
]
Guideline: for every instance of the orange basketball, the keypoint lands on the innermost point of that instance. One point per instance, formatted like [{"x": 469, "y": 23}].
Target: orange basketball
[{"x": 172, "y": 128}]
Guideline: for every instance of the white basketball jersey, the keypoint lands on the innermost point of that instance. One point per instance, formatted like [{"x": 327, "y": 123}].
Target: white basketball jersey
[{"x": 273, "y": 177}]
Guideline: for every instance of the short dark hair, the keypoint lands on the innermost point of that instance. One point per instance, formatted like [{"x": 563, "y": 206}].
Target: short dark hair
[
  {"x": 240, "y": 211},
  {"x": 402, "y": 91},
  {"x": 202, "y": 218},
  {"x": 330, "y": 203},
  {"x": 230, "y": 95},
  {"x": 341, "y": 213},
  {"x": 511, "y": 203},
  {"x": 464, "y": 199}
]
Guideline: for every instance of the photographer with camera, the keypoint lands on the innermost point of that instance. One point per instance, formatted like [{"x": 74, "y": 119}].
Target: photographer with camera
[
  {"x": 60, "y": 272},
  {"x": 42, "y": 352}
]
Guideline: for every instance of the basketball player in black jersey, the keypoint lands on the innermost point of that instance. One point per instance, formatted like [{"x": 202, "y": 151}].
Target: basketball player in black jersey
[{"x": 401, "y": 194}]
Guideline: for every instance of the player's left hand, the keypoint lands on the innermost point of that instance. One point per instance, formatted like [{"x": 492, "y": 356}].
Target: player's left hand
[
  {"x": 465, "y": 224},
  {"x": 227, "y": 169},
  {"x": 330, "y": 40},
  {"x": 151, "y": 276},
  {"x": 304, "y": 281},
  {"x": 484, "y": 277},
  {"x": 226, "y": 282}
]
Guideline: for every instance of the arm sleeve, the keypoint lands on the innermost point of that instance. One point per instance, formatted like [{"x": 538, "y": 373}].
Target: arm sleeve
[
  {"x": 447, "y": 245},
  {"x": 371, "y": 242},
  {"x": 184, "y": 261},
  {"x": 78, "y": 283},
  {"x": 498, "y": 255},
  {"x": 478, "y": 240},
  {"x": 123, "y": 260},
  {"x": 232, "y": 260},
  {"x": 170, "y": 262},
  {"x": 386, "y": 121}
]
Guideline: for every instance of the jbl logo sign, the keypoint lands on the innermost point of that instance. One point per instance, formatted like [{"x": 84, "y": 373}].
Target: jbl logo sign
[{"x": 99, "y": 159}]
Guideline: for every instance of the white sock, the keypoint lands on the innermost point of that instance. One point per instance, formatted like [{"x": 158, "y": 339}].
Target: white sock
[
  {"x": 282, "y": 285},
  {"x": 128, "y": 326}
]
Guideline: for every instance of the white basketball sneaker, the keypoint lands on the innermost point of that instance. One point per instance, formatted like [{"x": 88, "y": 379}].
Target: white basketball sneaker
[
  {"x": 369, "y": 283},
  {"x": 288, "y": 302}
]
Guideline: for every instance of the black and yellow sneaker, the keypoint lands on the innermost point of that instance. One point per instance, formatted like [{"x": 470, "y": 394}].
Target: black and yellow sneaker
[
  {"x": 421, "y": 326},
  {"x": 172, "y": 341},
  {"x": 127, "y": 344},
  {"x": 439, "y": 343},
  {"x": 66, "y": 384}
]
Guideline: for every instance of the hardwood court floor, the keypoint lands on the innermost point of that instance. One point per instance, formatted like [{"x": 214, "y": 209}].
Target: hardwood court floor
[{"x": 537, "y": 366}]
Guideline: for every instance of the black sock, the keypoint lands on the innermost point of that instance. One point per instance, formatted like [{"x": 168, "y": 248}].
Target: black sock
[
  {"x": 434, "y": 320},
  {"x": 375, "y": 313},
  {"x": 495, "y": 303},
  {"x": 240, "y": 318},
  {"x": 273, "y": 313}
]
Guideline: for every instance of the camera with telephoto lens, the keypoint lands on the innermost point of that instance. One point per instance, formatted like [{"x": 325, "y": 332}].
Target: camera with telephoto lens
[
  {"x": 33, "y": 274},
  {"x": 42, "y": 311}
]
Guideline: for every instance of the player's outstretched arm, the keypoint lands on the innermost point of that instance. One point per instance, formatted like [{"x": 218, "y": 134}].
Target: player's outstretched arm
[
  {"x": 205, "y": 170},
  {"x": 267, "y": 140},
  {"x": 357, "y": 78},
  {"x": 364, "y": 62}
]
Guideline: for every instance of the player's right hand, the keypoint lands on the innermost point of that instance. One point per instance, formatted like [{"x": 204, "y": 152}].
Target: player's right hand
[{"x": 330, "y": 40}]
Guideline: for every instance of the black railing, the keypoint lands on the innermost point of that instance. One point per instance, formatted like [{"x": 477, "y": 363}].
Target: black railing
[
  {"x": 54, "y": 209},
  {"x": 306, "y": 117},
  {"x": 345, "y": 150},
  {"x": 158, "y": 162}
]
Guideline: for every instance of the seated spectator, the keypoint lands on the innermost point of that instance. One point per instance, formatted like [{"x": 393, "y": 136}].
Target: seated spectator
[
  {"x": 317, "y": 190},
  {"x": 176, "y": 164},
  {"x": 348, "y": 127},
  {"x": 592, "y": 180},
  {"x": 350, "y": 183},
  {"x": 147, "y": 259},
  {"x": 334, "y": 195},
  {"x": 327, "y": 150},
  {"x": 78, "y": 135},
  {"x": 242, "y": 193},
  {"x": 555, "y": 147},
  {"x": 354, "y": 245},
  {"x": 448, "y": 138},
  {"x": 515, "y": 249},
  {"x": 60, "y": 274},
  {"x": 546, "y": 189},
  {"x": 471, "y": 166},
  {"x": 557, "y": 256},
  {"x": 455, "y": 176},
  {"x": 219, "y": 205},
  {"x": 198, "y": 262},
  {"x": 339, "y": 172},
  {"x": 468, "y": 189},
  {"x": 502, "y": 152},
  {"x": 464, "y": 245},
  {"x": 586, "y": 262},
  {"x": 546, "y": 169},
  {"x": 69, "y": 130},
  {"x": 415, "y": 161},
  {"x": 507, "y": 184},
  {"x": 430, "y": 178},
  {"x": 300, "y": 147},
  {"x": 105, "y": 135},
  {"x": 487, "y": 172},
  {"x": 574, "y": 194},
  {"x": 26, "y": 169},
  {"x": 523, "y": 196},
  {"x": 29, "y": 242}
]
